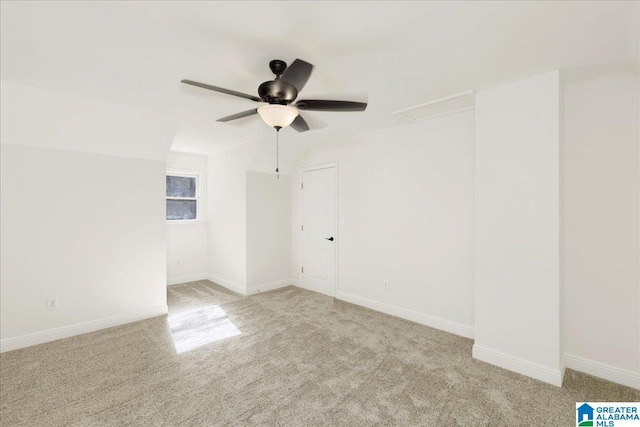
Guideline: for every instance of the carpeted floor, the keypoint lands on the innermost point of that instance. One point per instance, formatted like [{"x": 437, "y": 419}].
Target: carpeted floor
[{"x": 288, "y": 357}]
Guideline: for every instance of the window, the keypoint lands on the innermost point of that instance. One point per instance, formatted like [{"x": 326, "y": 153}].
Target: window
[{"x": 182, "y": 197}]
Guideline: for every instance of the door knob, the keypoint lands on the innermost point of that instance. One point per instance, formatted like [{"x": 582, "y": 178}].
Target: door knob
[{"x": 329, "y": 238}]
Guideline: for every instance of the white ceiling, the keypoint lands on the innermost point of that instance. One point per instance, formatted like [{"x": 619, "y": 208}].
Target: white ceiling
[{"x": 400, "y": 54}]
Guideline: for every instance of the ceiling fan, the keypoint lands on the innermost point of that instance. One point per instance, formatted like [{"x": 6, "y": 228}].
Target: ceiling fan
[{"x": 279, "y": 95}]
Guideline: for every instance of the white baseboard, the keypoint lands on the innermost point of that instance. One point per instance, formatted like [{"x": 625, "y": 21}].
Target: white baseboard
[
  {"x": 521, "y": 366},
  {"x": 604, "y": 371},
  {"x": 79, "y": 328},
  {"x": 242, "y": 290},
  {"x": 414, "y": 316},
  {"x": 251, "y": 290},
  {"x": 186, "y": 279}
]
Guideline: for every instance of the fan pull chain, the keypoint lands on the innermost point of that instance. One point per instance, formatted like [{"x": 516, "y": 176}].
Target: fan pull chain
[{"x": 278, "y": 151}]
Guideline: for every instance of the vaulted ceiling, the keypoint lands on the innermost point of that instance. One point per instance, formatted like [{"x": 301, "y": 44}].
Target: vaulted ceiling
[{"x": 395, "y": 54}]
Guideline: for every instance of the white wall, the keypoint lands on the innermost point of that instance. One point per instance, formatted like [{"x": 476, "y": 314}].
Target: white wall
[
  {"x": 292, "y": 146},
  {"x": 406, "y": 197},
  {"x": 268, "y": 230},
  {"x": 187, "y": 242},
  {"x": 44, "y": 118},
  {"x": 518, "y": 227},
  {"x": 227, "y": 216},
  {"x": 249, "y": 238},
  {"x": 82, "y": 214},
  {"x": 602, "y": 226},
  {"x": 88, "y": 229}
]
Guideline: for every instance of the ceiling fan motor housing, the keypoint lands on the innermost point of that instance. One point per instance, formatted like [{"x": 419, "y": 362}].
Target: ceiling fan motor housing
[
  {"x": 277, "y": 92},
  {"x": 277, "y": 66}
]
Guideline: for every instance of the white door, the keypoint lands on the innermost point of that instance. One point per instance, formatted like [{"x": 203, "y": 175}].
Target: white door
[{"x": 319, "y": 237}]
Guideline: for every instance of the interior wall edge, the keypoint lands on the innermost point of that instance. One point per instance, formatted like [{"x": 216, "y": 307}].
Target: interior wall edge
[
  {"x": 602, "y": 370},
  {"x": 256, "y": 289},
  {"x": 519, "y": 365},
  {"x": 55, "y": 334},
  {"x": 403, "y": 313},
  {"x": 237, "y": 288},
  {"x": 186, "y": 279}
]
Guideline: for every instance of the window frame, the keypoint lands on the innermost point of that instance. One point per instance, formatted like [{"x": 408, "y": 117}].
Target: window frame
[{"x": 197, "y": 198}]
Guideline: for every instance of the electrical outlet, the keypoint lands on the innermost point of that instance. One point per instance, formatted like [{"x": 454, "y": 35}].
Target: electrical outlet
[
  {"x": 52, "y": 303},
  {"x": 386, "y": 283},
  {"x": 178, "y": 262}
]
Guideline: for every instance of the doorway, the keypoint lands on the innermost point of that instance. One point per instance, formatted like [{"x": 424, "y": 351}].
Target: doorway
[{"x": 319, "y": 228}]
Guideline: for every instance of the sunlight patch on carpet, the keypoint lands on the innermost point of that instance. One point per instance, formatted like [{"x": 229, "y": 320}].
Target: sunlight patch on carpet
[{"x": 196, "y": 328}]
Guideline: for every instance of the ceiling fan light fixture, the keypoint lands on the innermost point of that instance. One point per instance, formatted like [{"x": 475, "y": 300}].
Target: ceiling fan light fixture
[{"x": 276, "y": 115}]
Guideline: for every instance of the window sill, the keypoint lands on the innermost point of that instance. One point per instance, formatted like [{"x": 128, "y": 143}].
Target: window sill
[{"x": 185, "y": 222}]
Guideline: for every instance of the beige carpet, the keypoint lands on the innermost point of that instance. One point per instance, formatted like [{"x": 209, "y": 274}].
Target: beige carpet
[{"x": 289, "y": 357}]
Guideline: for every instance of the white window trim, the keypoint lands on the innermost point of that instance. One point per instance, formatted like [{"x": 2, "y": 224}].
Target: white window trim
[{"x": 199, "y": 201}]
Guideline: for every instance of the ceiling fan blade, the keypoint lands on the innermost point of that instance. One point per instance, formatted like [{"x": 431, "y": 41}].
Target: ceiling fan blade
[
  {"x": 239, "y": 115},
  {"x": 325, "y": 105},
  {"x": 297, "y": 73},
  {"x": 221, "y": 90},
  {"x": 300, "y": 124}
]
